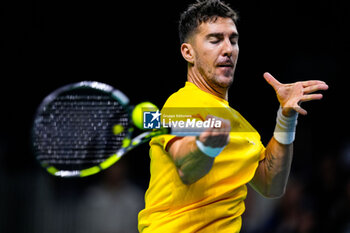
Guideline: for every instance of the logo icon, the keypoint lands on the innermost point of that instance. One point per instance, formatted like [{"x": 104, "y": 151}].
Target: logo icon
[{"x": 151, "y": 120}]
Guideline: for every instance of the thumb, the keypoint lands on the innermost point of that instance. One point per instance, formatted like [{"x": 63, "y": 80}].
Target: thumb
[{"x": 272, "y": 81}]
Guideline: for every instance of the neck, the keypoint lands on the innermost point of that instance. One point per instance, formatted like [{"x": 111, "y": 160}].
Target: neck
[{"x": 197, "y": 79}]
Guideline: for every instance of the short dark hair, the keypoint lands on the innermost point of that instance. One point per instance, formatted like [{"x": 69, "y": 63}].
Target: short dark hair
[{"x": 200, "y": 12}]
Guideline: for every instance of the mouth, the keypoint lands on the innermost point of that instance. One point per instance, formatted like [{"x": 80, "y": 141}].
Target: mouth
[
  {"x": 225, "y": 64},
  {"x": 227, "y": 68}
]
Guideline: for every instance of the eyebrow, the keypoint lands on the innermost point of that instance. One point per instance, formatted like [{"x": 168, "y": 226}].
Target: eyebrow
[{"x": 219, "y": 34}]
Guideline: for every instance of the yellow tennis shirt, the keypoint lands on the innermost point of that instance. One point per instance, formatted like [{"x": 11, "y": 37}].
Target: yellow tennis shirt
[{"x": 215, "y": 202}]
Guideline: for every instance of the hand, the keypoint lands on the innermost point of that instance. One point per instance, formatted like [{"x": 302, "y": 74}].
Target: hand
[
  {"x": 292, "y": 95},
  {"x": 216, "y": 137}
]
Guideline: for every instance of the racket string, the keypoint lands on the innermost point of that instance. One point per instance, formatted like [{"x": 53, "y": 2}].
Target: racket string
[{"x": 78, "y": 130}]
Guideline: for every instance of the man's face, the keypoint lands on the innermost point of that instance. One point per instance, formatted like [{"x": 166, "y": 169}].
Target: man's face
[{"x": 215, "y": 46}]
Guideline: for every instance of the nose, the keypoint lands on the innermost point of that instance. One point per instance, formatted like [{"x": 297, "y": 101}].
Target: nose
[{"x": 227, "y": 48}]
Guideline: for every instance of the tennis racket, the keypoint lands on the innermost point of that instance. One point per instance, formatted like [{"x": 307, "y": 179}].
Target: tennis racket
[{"x": 83, "y": 128}]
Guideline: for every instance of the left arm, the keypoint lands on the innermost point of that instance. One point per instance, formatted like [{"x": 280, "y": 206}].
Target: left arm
[{"x": 271, "y": 176}]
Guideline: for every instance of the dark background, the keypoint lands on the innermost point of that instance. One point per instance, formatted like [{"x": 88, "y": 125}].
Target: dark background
[{"x": 134, "y": 46}]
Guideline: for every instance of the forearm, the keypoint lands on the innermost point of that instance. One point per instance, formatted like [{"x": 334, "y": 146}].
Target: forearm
[
  {"x": 191, "y": 163},
  {"x": 272, "y": 174}
]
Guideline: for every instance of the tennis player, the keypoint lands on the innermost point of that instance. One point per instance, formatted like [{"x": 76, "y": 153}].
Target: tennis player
[{"x": 198, "y": 184}]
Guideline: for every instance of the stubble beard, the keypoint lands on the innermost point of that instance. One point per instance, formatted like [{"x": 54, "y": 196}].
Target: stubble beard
[{"x": 221, "y": 81}]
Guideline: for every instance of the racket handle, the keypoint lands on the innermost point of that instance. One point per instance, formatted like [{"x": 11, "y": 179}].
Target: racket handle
[{"x": 182, "y": 132}]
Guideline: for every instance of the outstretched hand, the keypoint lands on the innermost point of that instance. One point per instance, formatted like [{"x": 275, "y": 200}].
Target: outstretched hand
[{"x": 291, "y": 95}]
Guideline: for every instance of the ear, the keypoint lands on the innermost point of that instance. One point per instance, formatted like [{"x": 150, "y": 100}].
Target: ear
[{"x": 187, "y": 52}]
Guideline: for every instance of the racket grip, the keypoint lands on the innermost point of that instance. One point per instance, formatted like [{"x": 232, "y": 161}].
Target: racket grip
[{"x": 182, "y": 132}]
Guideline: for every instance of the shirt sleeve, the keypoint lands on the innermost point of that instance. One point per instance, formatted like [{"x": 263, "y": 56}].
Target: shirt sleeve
[
  {"x": 163, "y": 141},
  {"x": 262, "y": 153}
]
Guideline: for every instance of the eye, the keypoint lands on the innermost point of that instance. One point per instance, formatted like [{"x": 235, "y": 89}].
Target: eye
[
  {"x": 214, "y": 40},
  {"x": 234, "y": 40}
]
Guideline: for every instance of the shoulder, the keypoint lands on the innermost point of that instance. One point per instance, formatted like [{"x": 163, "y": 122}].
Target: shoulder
[{"x": 189, "y": 96}]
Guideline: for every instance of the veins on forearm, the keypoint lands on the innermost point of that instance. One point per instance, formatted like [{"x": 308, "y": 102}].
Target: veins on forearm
[
  {"x": 270, "y": 160},
  {"x": 278, "y": 158}
]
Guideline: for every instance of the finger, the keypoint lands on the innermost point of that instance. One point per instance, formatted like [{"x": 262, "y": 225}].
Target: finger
[
  {"x": 312, "y": 82},
  {"x": 219, "y": 141},
  {"x": 225, "y": 134},
  {"x": 218, "y": 137},
  {"x": 300, "y": 110},
  {"x": 316, "y": 87},
  {"x": 209, "y": 116},
  {"x": 311, "y": 97},
  {"x": 272, "y": 81},
  {"x": 215, "y": 139}
]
